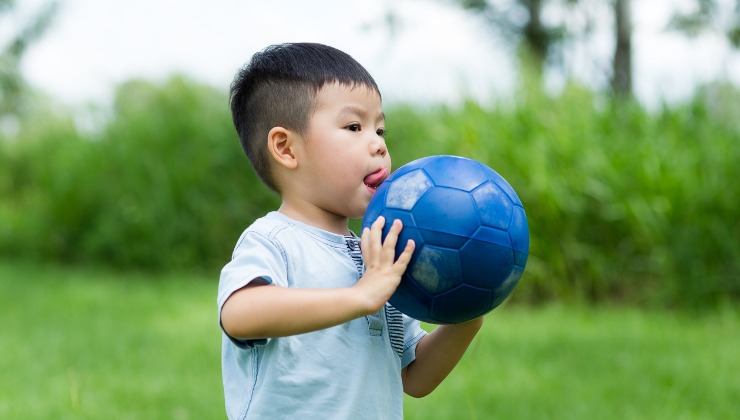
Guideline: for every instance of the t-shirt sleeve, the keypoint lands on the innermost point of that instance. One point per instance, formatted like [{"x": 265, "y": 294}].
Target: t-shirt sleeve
[
  {"x": 256, "y": 258},
  {"x": 413, "y": 333}
]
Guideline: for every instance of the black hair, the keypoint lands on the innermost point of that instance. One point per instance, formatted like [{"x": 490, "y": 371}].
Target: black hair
[{"x": 278, "y": 87}]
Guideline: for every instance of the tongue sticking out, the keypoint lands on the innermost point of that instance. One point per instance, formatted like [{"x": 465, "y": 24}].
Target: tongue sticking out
[{"x": 374, "y": 179}]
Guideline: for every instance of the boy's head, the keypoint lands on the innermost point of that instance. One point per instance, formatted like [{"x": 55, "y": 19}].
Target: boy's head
[{"x": 278, "y": 88}]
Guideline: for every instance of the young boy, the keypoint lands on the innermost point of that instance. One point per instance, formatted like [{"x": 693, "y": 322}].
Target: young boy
[{"x": 307, "y": 332}]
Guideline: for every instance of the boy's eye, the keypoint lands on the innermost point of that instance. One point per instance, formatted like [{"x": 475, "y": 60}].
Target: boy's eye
[
  {"x": 380, "y": 132},
  {"x": 354, "y": 127}
]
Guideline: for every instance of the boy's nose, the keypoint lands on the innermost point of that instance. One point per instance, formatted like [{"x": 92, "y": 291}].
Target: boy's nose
[{"x": 378, "y": 147}]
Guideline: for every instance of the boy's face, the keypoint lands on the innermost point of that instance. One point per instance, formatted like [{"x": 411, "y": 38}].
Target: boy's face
[{"x": 344, "y": 155}]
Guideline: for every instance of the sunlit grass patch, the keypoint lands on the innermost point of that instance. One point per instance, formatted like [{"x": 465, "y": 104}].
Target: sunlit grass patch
[{"x": 86, "y": 343}]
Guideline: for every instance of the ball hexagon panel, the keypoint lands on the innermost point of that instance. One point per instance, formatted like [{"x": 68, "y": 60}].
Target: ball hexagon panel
[
  {"x": 406, "y": 191},
  {"x": 505, "y": 186},
  {"x": 494, "y": 205},
  {"x": 456, "y": 172},
  {"x": 508, "y": 285},
  {"x": 436, "y": 269},
  {"x": 461, "y": 304},
  {"x": 446, "y": 210},
  {"x": 485, "y": 264},
  {"x": 519, "y": 230}
]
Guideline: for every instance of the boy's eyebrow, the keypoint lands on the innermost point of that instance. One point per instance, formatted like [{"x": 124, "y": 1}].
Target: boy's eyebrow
[{"x": 351, "y": 109}]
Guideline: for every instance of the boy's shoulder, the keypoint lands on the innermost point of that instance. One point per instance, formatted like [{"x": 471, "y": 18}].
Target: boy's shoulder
[
  {"x": 267, "y": 223},
  {"x": 265, "y": 230},
  {"x": 278, "y": 228}
]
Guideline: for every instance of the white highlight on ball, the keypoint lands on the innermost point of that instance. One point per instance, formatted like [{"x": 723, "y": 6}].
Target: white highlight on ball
[{"x": 407, "y": 189}]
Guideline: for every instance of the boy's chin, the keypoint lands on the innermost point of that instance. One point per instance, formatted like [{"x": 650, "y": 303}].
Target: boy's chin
[{"x": 358, "y": 214}]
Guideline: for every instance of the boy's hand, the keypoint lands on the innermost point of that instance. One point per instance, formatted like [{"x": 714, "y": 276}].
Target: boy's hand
[{"x": 383, "y": 272}]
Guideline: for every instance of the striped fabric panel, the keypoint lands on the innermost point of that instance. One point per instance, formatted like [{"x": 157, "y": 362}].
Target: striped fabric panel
[
  {"x": 374, "y": 323},
  {"x": 395, "y": 328},
  {"x": 353, "y": 246},
  {"x": 393, "y": 316}
]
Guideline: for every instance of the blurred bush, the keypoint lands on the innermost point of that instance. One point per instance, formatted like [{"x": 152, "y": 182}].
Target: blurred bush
[
  {"x": 623, "y": 204},
  {"x": 164, "y": 185}
]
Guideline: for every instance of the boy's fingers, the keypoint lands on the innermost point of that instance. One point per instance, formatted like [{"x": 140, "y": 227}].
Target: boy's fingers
[
  {"x": 376, "y": 232},
  {"x": 405, "y": 256},
  {"x": 392, "y": 238},
  {"x": 379, "y": 223}
]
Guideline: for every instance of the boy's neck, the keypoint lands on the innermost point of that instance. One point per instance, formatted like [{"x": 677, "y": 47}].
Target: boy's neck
[{"x": 317, "y": 218}]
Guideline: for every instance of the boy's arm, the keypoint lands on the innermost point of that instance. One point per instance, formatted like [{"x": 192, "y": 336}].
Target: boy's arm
[
  {"x": 258, "y": 311},
  {"x": 436, "y": 355}
]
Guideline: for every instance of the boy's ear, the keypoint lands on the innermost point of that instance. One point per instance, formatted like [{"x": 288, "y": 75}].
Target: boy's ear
[{"x": 280, "y": 143}]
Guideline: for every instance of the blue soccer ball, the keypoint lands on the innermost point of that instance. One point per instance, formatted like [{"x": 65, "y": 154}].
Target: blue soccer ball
[{"x": 471, "y": 234}]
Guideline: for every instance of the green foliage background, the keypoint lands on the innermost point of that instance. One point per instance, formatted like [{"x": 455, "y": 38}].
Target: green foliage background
[{"x": 623, "y": 203}]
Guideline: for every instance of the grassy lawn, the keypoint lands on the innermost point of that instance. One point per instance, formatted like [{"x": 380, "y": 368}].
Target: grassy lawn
[
  {"x": 594, "y": 363},
  {"x": 95, "y": 344}
]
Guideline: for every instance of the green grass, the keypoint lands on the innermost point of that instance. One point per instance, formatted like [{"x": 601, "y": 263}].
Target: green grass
[
  {"x": 594, "y": 363},
  {"x": 92, "y": 344},
  {"x": 85, "y": 343}
]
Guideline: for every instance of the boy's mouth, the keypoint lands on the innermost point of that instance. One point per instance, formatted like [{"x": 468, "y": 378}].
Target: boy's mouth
[{"x": 374, "y": 180}]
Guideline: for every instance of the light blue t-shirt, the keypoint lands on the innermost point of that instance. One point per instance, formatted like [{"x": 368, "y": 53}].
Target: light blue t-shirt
[{"x": 350, "y": 371}]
